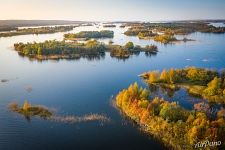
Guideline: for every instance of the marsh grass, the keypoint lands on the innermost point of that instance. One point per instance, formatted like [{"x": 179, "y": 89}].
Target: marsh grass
[
  {"x": 48, "y": 114},
  {"x": 78, "y": 119}
]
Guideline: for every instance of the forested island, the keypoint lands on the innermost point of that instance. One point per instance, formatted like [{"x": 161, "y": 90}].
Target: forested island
[
  {"x": 75, "y": 50},
  {"x": 89, "y": 34},
  {"x": 164, "y": 32},
  {"x": 10, "y": 25},
  {"x": 109, "y": 26},
  {"x": 40, "y": 30},
  {"x": 176, "y": 127},
  {"x": 205, "y": 83},
  {"x": 30, "y": 111}
]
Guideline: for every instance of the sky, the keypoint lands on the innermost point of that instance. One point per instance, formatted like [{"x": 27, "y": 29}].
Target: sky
[{"x": 112, "y": 10}]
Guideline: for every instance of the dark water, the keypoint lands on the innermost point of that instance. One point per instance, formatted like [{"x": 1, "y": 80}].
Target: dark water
[{"x": 82, "y": 87}]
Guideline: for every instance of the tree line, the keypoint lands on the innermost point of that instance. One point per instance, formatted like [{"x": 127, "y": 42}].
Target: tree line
[
  {"x": 90, "y": 34},
  {"x": 40, "y": 30},
  {"x": 206, "y": 83},
  {"x": 176, "y": 127},
  {"x": 62, "y": 49}
]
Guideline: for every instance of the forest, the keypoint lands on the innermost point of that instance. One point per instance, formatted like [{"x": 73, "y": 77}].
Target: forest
[
  {"x": 164, "y": 32},
  {"x": 174, "y": 126},
  {"x": 109, "y": 26},
  {"x": 39, "y": 30},
  {"x": 206, "y": 83},
  {"x": 90, "y": 34},
  {"x": 14, "y": 24},
  {"x": 70, "y": 50}
]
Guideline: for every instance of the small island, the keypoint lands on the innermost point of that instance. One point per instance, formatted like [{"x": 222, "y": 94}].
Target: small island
[
  {"x": 109, "y": 26},
  {"x": 75, "y": 50},
  {"x": 174, "y": 126},
  {"x": 205, "y": 83},
  {"x": 40, "y": 30},
  {"x": 30, "y": 111},
  {"x": 165, "y": 32},
  {"x": 89, "y": 35}
]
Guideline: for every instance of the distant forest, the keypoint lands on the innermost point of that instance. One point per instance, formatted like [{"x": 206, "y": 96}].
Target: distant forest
[{"x": 8, "y": 25}]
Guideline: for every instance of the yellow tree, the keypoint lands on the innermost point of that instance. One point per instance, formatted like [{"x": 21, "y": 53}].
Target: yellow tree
[
  {"x": 164, "y": 76},
  {"x": 172, "y": 76},
  {"x": 153, "y": 76},
  {"x": 26, "y": 105}
]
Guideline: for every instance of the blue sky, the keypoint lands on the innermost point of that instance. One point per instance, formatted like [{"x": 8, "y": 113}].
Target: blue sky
[{"x": 115, "y": 10}]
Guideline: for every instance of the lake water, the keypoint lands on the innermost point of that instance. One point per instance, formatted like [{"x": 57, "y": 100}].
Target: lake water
[{"x": 80, "y": 87}]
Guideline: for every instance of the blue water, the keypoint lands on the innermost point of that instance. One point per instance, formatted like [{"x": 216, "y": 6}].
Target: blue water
[{"x": 80, "y": 87}]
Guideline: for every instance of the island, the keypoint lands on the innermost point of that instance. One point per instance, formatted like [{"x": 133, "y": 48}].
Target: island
[
  {"x": 109, "y": 26},
  {"x": 39, "y": 30},
  {"x": 174, "y": 126},
  {"x": 30, "y": 111},
  {"x": 11, "y": 25},
  {"x": 205, "y": 83},
  {"x": 75, "y": 50},
  {"x": 89, "y": 34},
  {"x": 164, "y": 32}
]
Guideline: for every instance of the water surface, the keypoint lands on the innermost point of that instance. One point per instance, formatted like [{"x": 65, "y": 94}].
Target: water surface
[{"x": 79, "y": 87}]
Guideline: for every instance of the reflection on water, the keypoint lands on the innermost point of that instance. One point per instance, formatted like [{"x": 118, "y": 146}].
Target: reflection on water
[
  {"x": 78, "y": 87},
  {"x": 88, "y": 57}
]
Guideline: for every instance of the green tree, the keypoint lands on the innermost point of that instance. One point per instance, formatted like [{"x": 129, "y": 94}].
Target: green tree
[
  {"x": 129, "y": 46},
  {"x": 144, "y": 94},
  {"x": 40, "y": 51}
]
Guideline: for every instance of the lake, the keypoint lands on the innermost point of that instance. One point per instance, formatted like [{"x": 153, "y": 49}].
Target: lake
[{"x": 80, "y": 87}]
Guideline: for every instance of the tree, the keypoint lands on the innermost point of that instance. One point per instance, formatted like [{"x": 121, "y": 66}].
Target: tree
[
  {"x": 202, "y": 76},
  {"x": 125, "y": 99},
  {"x": 193, "y": 135},
  {"x": 173, "y": 112},
  {"x": 164, "y": 76},
  {"x": 129, "y": 46},
  {"x": 144, "y": 94},
  {"x": 214, "y": 87},
  {"x": 143, "y": 103},
  {"x": 153, "y": 76},
  {"x": 172, "y": 76},
  {"x": 26, "y": 105},
  {"x": 40, "y": 51}
]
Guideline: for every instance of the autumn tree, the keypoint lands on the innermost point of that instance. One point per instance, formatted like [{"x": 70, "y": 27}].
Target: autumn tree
[
  {"x": 214, "y": 87},
  {"x": 172, "y": 76},
  {"x": 153, "y": 76},
  {"x": 164, "y": 76},
  {"x": 26, "y": 105}
]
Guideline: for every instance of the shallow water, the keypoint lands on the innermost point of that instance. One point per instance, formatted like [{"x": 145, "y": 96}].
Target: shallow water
[{"x": 80, "y": 87}]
